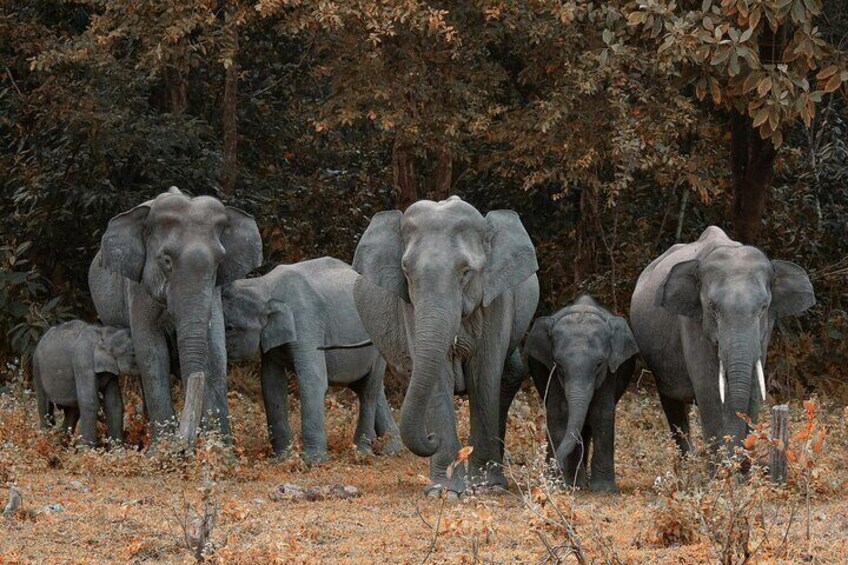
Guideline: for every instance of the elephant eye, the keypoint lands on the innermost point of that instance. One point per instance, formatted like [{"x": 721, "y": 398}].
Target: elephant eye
[
  {"x": 167, "y": 262},
  {"x": 229, "y": 328}
]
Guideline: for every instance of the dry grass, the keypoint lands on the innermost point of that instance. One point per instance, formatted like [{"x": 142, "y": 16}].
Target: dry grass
[{"x": 126, "y": 506}]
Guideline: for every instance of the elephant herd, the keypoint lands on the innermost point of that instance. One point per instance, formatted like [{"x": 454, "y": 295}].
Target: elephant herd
[{"x": 440, "y": 292}]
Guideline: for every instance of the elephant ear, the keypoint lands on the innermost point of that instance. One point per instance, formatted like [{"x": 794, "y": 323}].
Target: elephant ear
[
  {"x": 104, "y": 361},
  {"x": 382, "y": 314},
  {"x": 791, "y": 289},
  {"x": 539, "y": 344},
  {"x": 243, "y": 244},
  {"x": 280, "y": 328},
  {"x": 511, "y": 255},
  {"x": 681, "y": 291},
  {"x": 622, "y": 343},
  {"x": 122, "y": 245},
  {"x": 379, "y": 252}
]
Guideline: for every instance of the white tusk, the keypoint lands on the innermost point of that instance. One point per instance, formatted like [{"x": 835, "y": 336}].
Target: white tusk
[
  {"x": 456, "y": 339},
  {"x": 761, "y": 376},
  {"x": 721, "y": 380}
]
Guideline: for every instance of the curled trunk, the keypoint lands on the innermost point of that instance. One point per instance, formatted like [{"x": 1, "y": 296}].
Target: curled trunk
[
  {"x": 738, "y": 354},
  {"x": 433, "y": 335}
]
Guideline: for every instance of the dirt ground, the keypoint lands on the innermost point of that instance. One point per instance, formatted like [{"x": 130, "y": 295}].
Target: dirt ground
[{"x": 125, "y": 506}]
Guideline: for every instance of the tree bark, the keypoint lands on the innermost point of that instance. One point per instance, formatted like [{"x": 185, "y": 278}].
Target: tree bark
[
  {"x": 176, "y": 89},
  {"x": 752, "y": 157},
  {"x": 405, "y": 179},
  {"x": 229, "y": 120},
  {"x": 444, "y": 174}
]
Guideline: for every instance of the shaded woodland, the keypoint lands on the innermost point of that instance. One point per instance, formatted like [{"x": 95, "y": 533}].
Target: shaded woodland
[{"x": 614, "y": 129}]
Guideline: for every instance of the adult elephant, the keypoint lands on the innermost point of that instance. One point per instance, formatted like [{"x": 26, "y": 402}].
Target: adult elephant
[
  {"x": 159, "y": 271},
  {"x": 702, "y": 314},
  {"x": 449, "y": 293}
]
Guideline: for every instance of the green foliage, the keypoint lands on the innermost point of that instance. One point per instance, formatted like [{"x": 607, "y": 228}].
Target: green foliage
[{"x": 597, "y": 122}]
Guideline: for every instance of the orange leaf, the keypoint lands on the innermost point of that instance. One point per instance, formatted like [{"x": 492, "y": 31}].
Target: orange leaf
[
  {"x": 750, "y": 441},
  {"x": 463, "y": 453},
  {"x": 790, "y": 456}
]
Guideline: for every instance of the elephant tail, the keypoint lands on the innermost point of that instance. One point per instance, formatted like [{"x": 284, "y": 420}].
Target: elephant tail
[{"x": 359, "y": 345}]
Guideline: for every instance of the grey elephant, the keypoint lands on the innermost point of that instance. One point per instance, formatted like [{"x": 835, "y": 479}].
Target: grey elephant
[
  {"x": 582, "y": 359},
  {"x": 71, "y": 364},
  {"x": 449, "y": 293},
  {"x": 288, "y": 314},
  {"x": 159, "y": 271},
  {"x": 702, "y": 314}
]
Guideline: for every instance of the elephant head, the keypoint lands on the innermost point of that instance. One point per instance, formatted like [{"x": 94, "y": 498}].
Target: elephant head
[
  {"x": 584, "y": 344},
  {"x": 734, "y": 294},
  {"x": 180, "y": 249},
  {"x": 254, "y": 323},
  {"x": 114, "y": 353},
  {"x": 428, "y": 275}
]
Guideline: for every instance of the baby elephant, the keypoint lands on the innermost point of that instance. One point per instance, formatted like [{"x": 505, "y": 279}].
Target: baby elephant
[
  {"x": 289, "y": 313},
  {"x": 71, "y": 364},
  {"x": 592, "y": 353}
]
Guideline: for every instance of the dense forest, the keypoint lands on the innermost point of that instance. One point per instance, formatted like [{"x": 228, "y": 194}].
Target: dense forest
[{"x": 615, "y": 129}]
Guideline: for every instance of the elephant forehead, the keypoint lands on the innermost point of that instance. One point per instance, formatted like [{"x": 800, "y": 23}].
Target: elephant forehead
[
  {"x": 242, "y": 303},
  {"x": 426, "y": 214},
  {"x": 582, "y": 329},
  {"x": 735, "y": 259},
  {"x": 180, "y": 208}
]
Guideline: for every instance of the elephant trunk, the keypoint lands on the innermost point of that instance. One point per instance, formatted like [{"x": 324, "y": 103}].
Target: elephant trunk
[
  {"x": 434, "y": 332},
  {"x": 738, "y": 354},
  {"x": 191, "y": 307},
  {"x": 578, "y": 396}
]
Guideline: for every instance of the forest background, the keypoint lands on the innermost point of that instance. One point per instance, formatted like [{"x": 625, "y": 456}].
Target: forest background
[{"x": 615, "y": 129}]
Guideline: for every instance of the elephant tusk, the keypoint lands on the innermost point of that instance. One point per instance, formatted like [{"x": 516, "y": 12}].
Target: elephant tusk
[
  {"x": 721, "y": 380},
  {"x": 761, "y": 376},
  {"x": 456, "y": 339}
]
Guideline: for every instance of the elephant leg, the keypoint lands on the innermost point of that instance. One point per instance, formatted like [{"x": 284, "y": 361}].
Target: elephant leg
[
  {"x": 88, "y": 403},
  {"x": 602, "y": 434},
  {"x": 677, "y": 414},
  {"x": 71, "y": 416},
  {"x": 275, "y": 394},
  {"x": 364, "y": 435},
  {"x": 441, "y": 420},
  {"x": 113, "y": 405},
  {"x": 153, "y": 359},
  {"x": 513, "y": 375},
  {"x": 385, "y": 425},
  {"x": 556, "y": 416},
  {"x": 215, "y": 404},
  {"x": 483, "y": 376},
  {"x": 310, "y": 365}
]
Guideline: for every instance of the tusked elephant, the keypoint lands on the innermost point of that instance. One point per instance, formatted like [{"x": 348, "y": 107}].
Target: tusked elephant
[
  {"x": 159, "y": 271},
  {"x": 71, "y": 364},
  {"x": 288, "y": 314},
  {"x": 450, "y": 293},
  {"x": 582, "y": 359},
  {"x": 702, "y": 314}
]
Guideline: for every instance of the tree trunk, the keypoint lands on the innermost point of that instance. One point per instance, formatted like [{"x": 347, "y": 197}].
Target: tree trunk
[
  {"x": 444, "y": 174},
  {"x": 405, "y": 179},
  {"x": 176, "y": 89},
  {"x": 752, "y": 157},
  {"x": 229, "y": 119},
  {"x": 585, "y": 256}
]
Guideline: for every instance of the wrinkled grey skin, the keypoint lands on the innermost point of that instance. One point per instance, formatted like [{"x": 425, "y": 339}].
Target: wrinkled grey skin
[
  {"x": 698, "y": 303},
  {"x": 594, "y": 353},
  {"x": 159, "y": 271},
  {"x": 287, "y": 314},
  {"x": 71, "y": 364},
  {"x": 449, "y": 293}
]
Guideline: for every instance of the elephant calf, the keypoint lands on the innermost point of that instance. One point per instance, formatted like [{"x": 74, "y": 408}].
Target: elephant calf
[
  {"x": 592, "y": 353},
  {"x": 71, "y": 364},
  {"x": 287, "y": 314}
]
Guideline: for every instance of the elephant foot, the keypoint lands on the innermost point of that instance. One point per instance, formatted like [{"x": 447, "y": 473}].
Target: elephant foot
[
  {"x": 394, "y": 446},
  {"x": 437, "y": 491},
  {"x": 313, "y": 457},
  {"x": 603, "y": 485}
]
